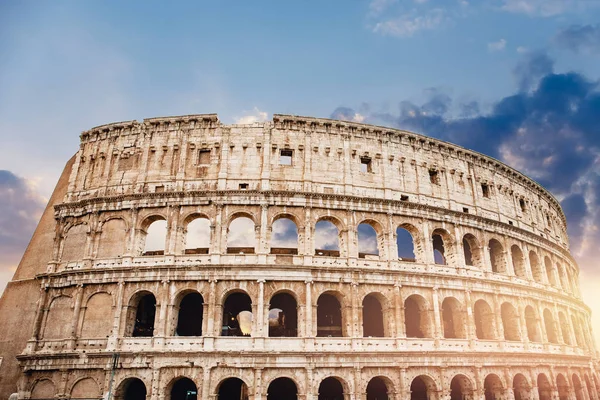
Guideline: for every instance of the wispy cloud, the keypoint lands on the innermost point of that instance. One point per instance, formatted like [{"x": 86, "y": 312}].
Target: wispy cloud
[
  {"x": 250, "y": 117},
  {"x": 580, "y": 38},
  {"x": 497, "y": 46},
  {"x": 408, "y": 24},
  {"x": 546, "y": 8}
]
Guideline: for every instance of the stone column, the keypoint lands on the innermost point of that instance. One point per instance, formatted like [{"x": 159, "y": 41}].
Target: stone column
[
  {"x": 263, "y": 241},
  {"x": 119, "y": 310},
  {"x": 498, "y": 312},
  {"x": 39, "y": 314},
  {"x": 542, "y": 322},
  {"x": 258, "y": 387},
  {"x": 355, "y": 325},
  {"x": 470, "y": 318},
  {"x": 427, "y": 245},
  {"x": 161, "y": 327},
  {"x": 155, "y": 385},
  {"x": 76, "y": 313},
  {"x": 259, "y": 322},
  {"x": 212, "y": 317},
  {"x": 399, "y": 311},
  {"x": 205, "y": 382},
  {"x": 392, "y": 253},
  {"x": 438, "y": 333}
]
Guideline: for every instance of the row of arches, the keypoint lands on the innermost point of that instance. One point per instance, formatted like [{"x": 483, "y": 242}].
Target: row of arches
[
  {"x": 333, "y": 313},
  {"x": 422, "y": 387}
]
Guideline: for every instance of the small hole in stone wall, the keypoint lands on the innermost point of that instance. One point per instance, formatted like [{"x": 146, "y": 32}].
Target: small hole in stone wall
[
  {"x": 510, "y": 222},
  {"x": 365, "y": 164},
  {"x": 434, "y": 177},
  {"x": 404, "y": 197},
  {"x": 243, "y": 186},
  {"x": 485, "y": 189},
  {"x": 522, "y": 205},
  {"x": 465, "y": 210},
  {"x": 204, "y": 157}
]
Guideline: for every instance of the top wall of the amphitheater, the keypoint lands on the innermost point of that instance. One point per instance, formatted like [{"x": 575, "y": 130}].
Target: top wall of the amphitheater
[{"x": 198, "y": 153}]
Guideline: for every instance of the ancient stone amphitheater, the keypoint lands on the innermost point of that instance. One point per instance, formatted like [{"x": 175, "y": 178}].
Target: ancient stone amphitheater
[{"x": 366, "y": 263}]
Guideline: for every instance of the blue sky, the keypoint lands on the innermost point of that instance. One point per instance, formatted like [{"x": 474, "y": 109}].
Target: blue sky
[{"x": 516, "y": 79}]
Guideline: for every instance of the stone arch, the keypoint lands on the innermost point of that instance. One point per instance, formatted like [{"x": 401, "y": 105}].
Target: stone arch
[
  {"x": 578, "y": 332},
  {"x": 518, "y": 261},
  {"x": 378, "y": 388},
  {"x": 589, "y": 387},
  {"x": 232, "y": 388},
  {"x": 181, "y": 388},
  {"x": 565, "y": 328},
  {"x": 578, "y": 387},
  {"x": 86, "y": 388},
  {"x": 485, "y": 327},
  {"x": 562, "y": 386},
  {"x": 113, "y": 238},
  {"x": 461, "y": 387},
  {"x": 285, "y": 235},
  {"x": 443, "y": 246},
  {"x": 531, "y": 321},
  {"x": 189, "y": 308},
  {"x": 237, "y": 313},
  {"x": 43, "y": 389},
  {"x": 407, "y": 242},
  {"x": 328, "y": 237},
  {"x": 371, "y": 238},
  {"x": 330, "y": 318},
  {"x": 453, "y": 319},
  {"x": 497, "y": 256},
  {"x": 550, "y": 326},
  {"x": 74, "y": 242},
  {"x": 332, "y": 388},
  {"x": 283, "y": 314},
  {"x": 423, "y": 387},
  {"x": 510, "y": 322},
  {"x": 521, "y": 387},
  {"x": 241, "y": 233},
  {"x": 153, "y": 235},
  {"x": 493, "y": 387},
  {"x": 373, "y": 319},
  {"x": 472, "y": 250},
  {"x": 536, "y": 269},
  {"x": 550, "y": 271},
  {"x": 141, "y": 314},
  {"x": 417, "y": 317},
  {"x": 97, "y": 316},
  {"x": 59, "y": 318},
  {"x": 196, "y": 237},
  {"x": 282, "y": 388},
  {"x": 131, "y": 388},
  {"x": 544, "y": 387}
]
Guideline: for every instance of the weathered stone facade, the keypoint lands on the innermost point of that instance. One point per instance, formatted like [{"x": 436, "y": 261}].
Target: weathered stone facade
[{"x": 497, "y": 313}]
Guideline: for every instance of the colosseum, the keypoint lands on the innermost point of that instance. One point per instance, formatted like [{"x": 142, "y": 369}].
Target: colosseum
[{"x": 300, "y": 258}]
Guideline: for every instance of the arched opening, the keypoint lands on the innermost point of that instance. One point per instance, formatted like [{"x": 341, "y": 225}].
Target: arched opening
[
  {"x": 197, "y": 237},
  {"x": 578, "y": 387},
  {"x": 550, "y": 271},
  {"x": 59, "y": 318},
  {"x": 484, "y": 320},
  {"x": 74, "y": 243},
  {"x": 43, "y": 389},
  {"x": 577, "y": 330},
  {"x": 367, "y": 241},
  {"x": 472, "y": 250},
  {"x": 184, "y": 389},
  {"x": 550, "y": 326},
  {"x": 331, "y": 389},
  {"x": 237, "y": 315},
  {"x": 518, "y": 261},
  {"x": 460, "y": 388},
  {"x": 283, "y": 316},
  {"x": 544, "y": 387},
  {"x": 189, "y": 317},
  {"x": 493, "y": 388},
  {"x": 497, "y": 256},
  {"x": 536, "y": 270},
  {"x": 241, "y": 236},
  {"x": 282, "y": 389},
  {"x": 596, "y": 383},
  {"x": 284, "y": 237},
  {"x": 329, "y": 316},
  {"x": 422, "y": 388},
  {"x": 564, "y": 328},
  {"x": 510, "y": 322},
  {"x": 405, "y": 244},
  {"x": 377, "y": 389},
  {"x": 521, "y": 387},
  {"x": 98, "y": 307},
  {"x": 232, "y": 388},
  {"x": 113, "y": 238},
  {"x": 131, "y": 389},
  {"x": 590, "y": 388},
  {"x": 155, "y": 238},
  {"x": 533, "y": 332},
  {"x": 562, "y": 277},
  {"x": 416, "y": 318},
  {"x": 563, "y": 387},
  {"x": 439, "y": 249},
  {"x": 452, "y": 316},
  {"x": 372, "y": 317},
  {"x": 86, "y": 388},
  {"x": 141, "y": 314},
  {"x": 327, "y": 239}
]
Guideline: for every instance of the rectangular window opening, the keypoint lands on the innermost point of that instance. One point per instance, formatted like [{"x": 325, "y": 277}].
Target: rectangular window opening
[
  {"x": 465, "y": 210},
  {"x": 243, "y": 186},
  {"x": 285, "y": 157},
  {"x": 522, "y": 205},
  {"x": 485, "y": 189},
  {"x": 204, "y": 157},
  {"x": 365, "y": 164},
  {"x": 403, "y": 197},
  {"x": 434, "y": 177}
]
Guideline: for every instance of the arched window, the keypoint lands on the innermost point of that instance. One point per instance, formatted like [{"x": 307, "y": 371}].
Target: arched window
[
  {"x": 86, "y": 388},
  {"x": 422, "y": 388},
  {"x": 237, "y": 315},
  {"x": 184, "y": 389},
  {"x": 377, "y": 389},
  {"x": 113, "y": 238},
  {"x": 329, "y": 316},
  {"x": 155, "y": 237},
  {"x": 536, "y": 269},
  {"x": 406, "y": 246},
  {"x": 497, "y": 256},
  {"x": 518, "y": 261},
  {"x": 460, "y": 388},
  {"x": 563, "y": 278},
  {"x": 510, "y": 322},
  {"x": 521, "y": 387},
  {"x": 367, "y": 241},
  {"x": 439, "y": 248},
  {"x": 533, "y": 332},
  {"x": 452, "y": 315},
  {"x": 565, "y": 328},
  {"x": 550, "y": 271},
  {"x": 197, "y": 237},
  {"x": 241, "y": 236},
  {"x": 141, "y": 314},
  {"x": 544, "y": 387},
  {"x": 189, "y": 317},
  {"x": 327, "y": 239},
  {"x": 416, "y": 317},
  {"x": 43, "y": 389},
  {"x": 282, "y": 388},
  {"x": 284, "y": 237},
  {"x": 578, "y": 387},
  {"x": 563, "y": 387},
  {"x": 331, "y": 389},
  {"x": 590, "y": 388},
  {"x": 233, "y": 388},
  {"x": 493, "y": 387},
  {"x": 372, "y": 317},
  {"x": 577, "y": 330},
  {"x": 550, "y": 326},
  {"x": 484, "y": 320},
  {"x": 59, "y": 319},
  {"x": 472, "y": 250},
  {"x": 131, "y": 389},
  {"x": 283, "y": 316},
  {"x": 97, "y": 316},
  {"x": 74, "y": 243}
]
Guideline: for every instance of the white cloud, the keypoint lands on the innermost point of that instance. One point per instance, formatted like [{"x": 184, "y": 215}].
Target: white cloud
[
  {"x": 497, "y": 46},
  {"x": 546, "y": 8},
  {"x": 522, "y": 50},
  {"x": 251, "y": 117},
  {"x": 407, "y": 25},
  {"x": 378, "y": 6},
  {"x": 241, "y": 233}
]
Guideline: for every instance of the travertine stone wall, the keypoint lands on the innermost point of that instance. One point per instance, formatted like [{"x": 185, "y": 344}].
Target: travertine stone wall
[{"x": 518, "y": 326}]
